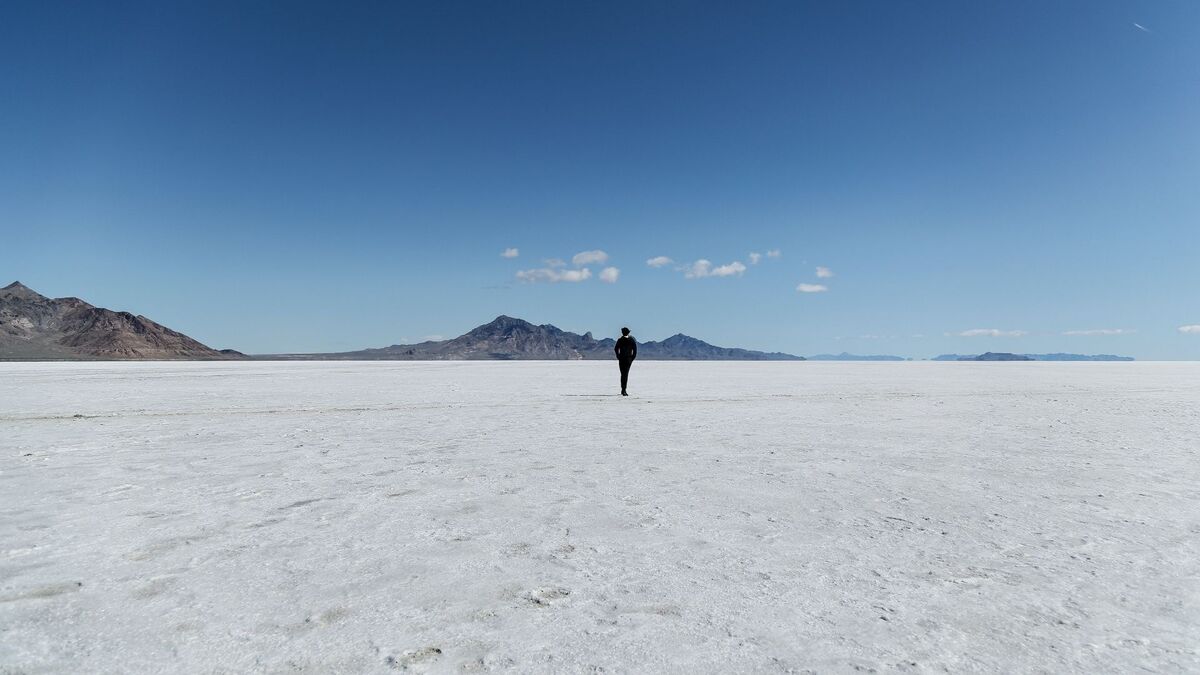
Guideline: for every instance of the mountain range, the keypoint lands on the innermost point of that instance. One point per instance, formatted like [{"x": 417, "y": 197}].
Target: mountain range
[
  {"x": 844, "y": 356},
  {"x": 34, "y": 327},
  {"x": 508, "y": 338},
  {"x": 1031, "y": 357}
]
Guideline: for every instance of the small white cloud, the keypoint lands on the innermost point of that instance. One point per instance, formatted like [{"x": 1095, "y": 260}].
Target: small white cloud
[
  {"x": 811, "y": 288},
  {"x": 575, "y": 275},
  {"x": 433, "y": 338},
  {"x": 510, "y": 253},
  {"x": 1194, "y": 328},
  {"x": 1141, "y": 28},
  {"x": 755, "y": 258},
  {"x": 824, "y": 273},
  {"x": 774, "y": 253},
  {"x": 609, "y": 275},
  {"x": 590, "y": 257},
  {"x": 554, "y": 276},
  {"x": 1101, "y": 331},
  {"x": 659, "y": 261},
  {"x": 700, "y": 268},
  {"x": 991, "y": 332},
  {"x": 704, "y": 268},
  {"x": 555, "y": 262},
  {"x": 734, "y": 268}
]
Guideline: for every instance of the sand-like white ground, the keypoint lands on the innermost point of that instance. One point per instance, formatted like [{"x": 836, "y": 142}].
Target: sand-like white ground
[{"x": 769, "y": 517}]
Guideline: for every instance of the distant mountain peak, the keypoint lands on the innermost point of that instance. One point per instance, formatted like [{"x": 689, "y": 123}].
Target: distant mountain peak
[
  {"x": 997, "y": 356},
  {"x": 505, "y": 320},
  {"x": 19, "y": 290},
  {"x": 503, "y": 325},
  {"x": 17, "y": 286}
]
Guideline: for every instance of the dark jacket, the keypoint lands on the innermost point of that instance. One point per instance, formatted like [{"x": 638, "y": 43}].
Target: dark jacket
[{"x": 626, "y": 348}]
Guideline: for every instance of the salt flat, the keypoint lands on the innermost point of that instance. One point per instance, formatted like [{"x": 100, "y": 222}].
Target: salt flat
[{"x": 767, "y": 517}]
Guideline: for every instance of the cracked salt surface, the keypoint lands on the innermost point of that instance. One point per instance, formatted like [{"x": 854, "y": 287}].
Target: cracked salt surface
[{"x": 438, "y": 517}]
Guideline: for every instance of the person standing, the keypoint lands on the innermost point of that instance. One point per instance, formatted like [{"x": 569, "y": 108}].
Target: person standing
[{"x": 626, "y": 350}]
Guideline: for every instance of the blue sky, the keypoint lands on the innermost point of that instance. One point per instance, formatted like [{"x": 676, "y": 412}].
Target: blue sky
[{"x": 270, "y": 177}]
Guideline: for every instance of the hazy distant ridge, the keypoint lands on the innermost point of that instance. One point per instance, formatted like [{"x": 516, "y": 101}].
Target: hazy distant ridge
[
  {"x": 844, "y": 356},
  {"x": 1036, "y": 357}
]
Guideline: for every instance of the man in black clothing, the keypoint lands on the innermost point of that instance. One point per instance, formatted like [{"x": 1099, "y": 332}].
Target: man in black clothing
[{"x": 626, "y": 349}]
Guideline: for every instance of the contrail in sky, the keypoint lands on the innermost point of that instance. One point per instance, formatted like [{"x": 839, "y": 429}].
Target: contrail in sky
[{"x": 1141, "y": 28}]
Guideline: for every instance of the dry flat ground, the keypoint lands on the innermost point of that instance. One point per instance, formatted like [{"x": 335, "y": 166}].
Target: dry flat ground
[{"x": 446, "y": 517}]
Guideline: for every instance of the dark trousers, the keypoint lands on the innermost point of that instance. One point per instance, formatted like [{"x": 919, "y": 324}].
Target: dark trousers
[{"x": 624, "y": 372}]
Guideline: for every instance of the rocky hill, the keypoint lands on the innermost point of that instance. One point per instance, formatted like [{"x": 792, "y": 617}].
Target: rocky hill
[
  {"x": 34, "y": 327},
  {"x": 507, "y": 338}
]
